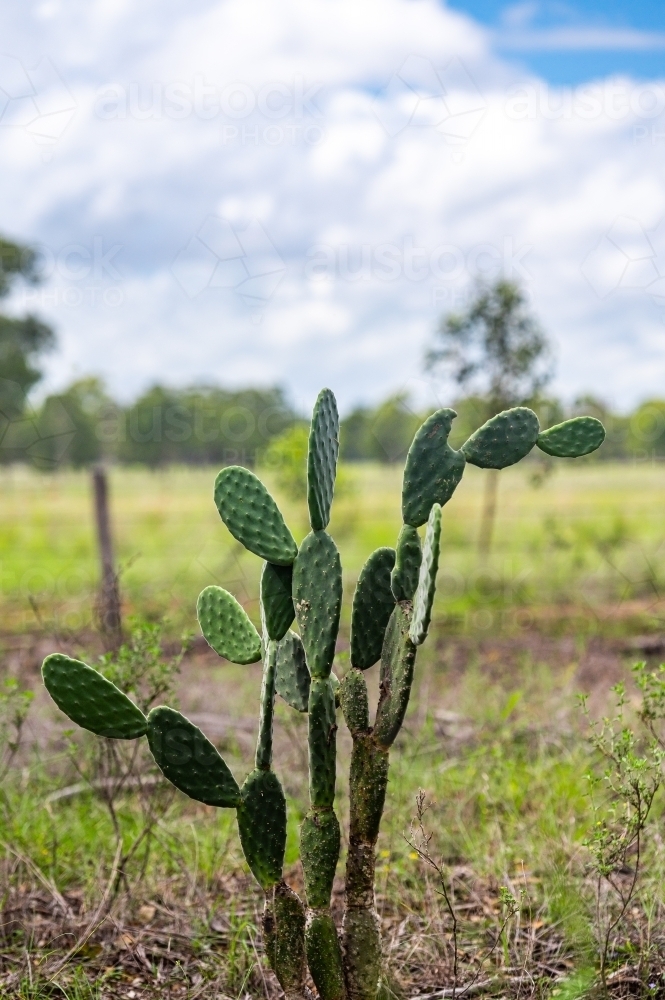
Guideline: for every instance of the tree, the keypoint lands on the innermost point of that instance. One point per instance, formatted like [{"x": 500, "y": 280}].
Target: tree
[
  {"x": 68, "y": 425},
  {"x": 498, "y": 351},
  {"x": 22, "y": 342}
]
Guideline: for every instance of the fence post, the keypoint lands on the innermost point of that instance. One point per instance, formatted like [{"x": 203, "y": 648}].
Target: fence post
[{"x": 108, "y": 606}]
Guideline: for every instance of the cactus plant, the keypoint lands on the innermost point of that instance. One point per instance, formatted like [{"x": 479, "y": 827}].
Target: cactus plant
[{"x": 391, "y": 614}]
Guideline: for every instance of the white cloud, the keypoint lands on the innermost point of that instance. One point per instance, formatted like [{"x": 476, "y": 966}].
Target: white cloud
[{"x": 384, "y": 152}]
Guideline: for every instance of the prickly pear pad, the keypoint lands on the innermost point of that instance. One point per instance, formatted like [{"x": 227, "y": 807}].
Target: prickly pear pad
[
  {"x": 404, "y": 578},
  {"x": 252, "y": 516},
  {"x": 317, "y": 595},
  {"x": 373, "y": 603},
  {"x": 573, "y": 438},
  {"x": 433, "y": 469},
  {"x": 424, "y": 599},
  {"x": 503, "y": 440},
  {"x": 397, "y": 662},
  {"x": 226, "y": 627},
  {"x": 292, "y": 677},
  {"x": 276, "y": 599},
  {"x": 324, "y": 956},
  {"x": 262, "y": 826},
  {"x": 189, "y": 760},
  {"x": 319, "y": 850},
  {"x": 90, "y": 700},
  {"x": 354, "y": 701},
  {"x": 322, "y": 459}
]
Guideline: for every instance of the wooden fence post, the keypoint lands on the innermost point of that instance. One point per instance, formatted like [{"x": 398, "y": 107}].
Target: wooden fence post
[{"x": 108, "y": 606}]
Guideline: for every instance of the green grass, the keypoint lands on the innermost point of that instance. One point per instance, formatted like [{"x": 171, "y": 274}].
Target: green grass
[
  {"x": 590, "y": 537},
  {"x": 508, "y": 806},
  {"x": 493, "y": 736}
]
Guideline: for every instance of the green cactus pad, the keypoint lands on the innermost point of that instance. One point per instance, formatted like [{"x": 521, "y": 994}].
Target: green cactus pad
[
  {"x": 276, "y": 599},
  {"x": 226, "y": 626},
  {"x": 433, "y": 469},
  {"x": 503, "y": 440},
  {"x": 573, "y": 438},
  {"x": 262, "y": 826},
  {"x": 354, "y": 701},
  {"x": 292, "y": 679},
  {"x": 373, "y": 603},
  {"x": 90, "y": 700},
  {"x": 324, "y": 957},
  {"x": 404, "y": 578},
  {"x": 322, "y": 459},
  {"x": 189, "y": 760},
  {"x": 322, "y": 743},
  {"x": 424, "y": 599},
  {"x": 397, "y": 663},
  {"x": 317, "y": 595},
  {"x": 252, "y": 516},
  {"x": 319, "y": 851}
]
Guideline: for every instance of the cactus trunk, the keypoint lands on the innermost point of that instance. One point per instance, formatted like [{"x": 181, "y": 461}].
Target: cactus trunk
[
  {"x": 361, "y": 936},
  {"x": 320, "y": 843}
]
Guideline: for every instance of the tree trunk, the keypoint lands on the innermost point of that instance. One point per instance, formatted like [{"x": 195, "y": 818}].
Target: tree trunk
[{"x": 108, "y": 605}]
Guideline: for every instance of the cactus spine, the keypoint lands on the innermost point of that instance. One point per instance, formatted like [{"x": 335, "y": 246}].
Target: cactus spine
[{"x": 391, "y": 614}]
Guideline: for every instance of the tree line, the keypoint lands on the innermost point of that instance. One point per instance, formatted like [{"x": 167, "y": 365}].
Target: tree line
[{"x": 495, "y": 353}]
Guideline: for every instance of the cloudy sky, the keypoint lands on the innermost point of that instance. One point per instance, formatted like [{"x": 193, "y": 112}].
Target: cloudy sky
[{"x": 245, "y": 191}]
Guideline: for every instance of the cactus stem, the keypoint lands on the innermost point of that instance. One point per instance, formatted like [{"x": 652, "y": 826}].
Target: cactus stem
[
  {"x": 264, "y": 743},
  {"x": 361, "y": 939},
  {"x": 288, "y": 943}
]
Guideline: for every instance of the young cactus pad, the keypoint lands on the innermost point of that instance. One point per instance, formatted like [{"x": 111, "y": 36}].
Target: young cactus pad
[
  {"x": 573, "y": 438},
  {"x": 504, "y": 440},
  {"x": 253, "y": 517},
  {"x": 322, "y": 460},
  {"x": 391, "y": 615},
  {"x": 226, "y": 626}
]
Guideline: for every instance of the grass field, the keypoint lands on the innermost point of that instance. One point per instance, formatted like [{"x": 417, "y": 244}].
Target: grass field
[
  {"x": 590, "y": 537},
  {"x": 146, "y": 894}
]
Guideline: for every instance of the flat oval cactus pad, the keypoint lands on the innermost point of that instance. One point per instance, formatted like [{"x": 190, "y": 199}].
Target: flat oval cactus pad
[
  {"x": 373, "y": 603},
  {"x": 433, "y": 469},
  {"x": 322, "y": 459},
  {"x": 292, "y": 678},
  {"x": 573, "y": 438},
  {"x": 90, "y": 700},
  {"x": 262, "y": 826},
  {"x": 189, "y": 760},
  {"x": 252, "y": 516},
  {"x": 504, "y": 440},
  {"x": 278, "y": 610},
  {"x": 317, "y": 595},
  {"x": 226, "y": 626}
]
